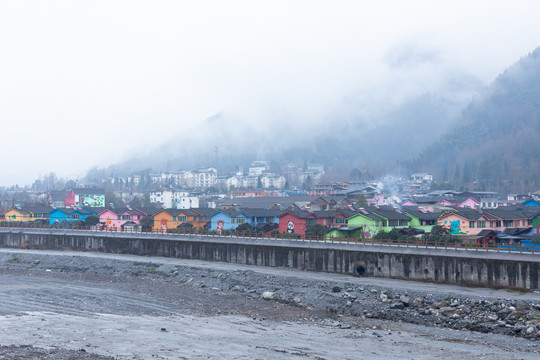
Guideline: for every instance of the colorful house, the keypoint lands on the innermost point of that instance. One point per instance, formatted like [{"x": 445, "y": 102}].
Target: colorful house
[
  {"x": 536, "y": 225},
  {"x": 227, "y": 220},
  {"x": 171, "y": 218},
  {"x": 17, "y": 214},
  {"x": 69, "y": 215},
  {"x": 465, "y": 222},
  {"x": 369, "y": 221},
  {"x": 507, "y": 218},
  {"x": 531, "y": 202},
  {"x": 115, "y": 219},
  {"x": 469, "y": 202},
  {"x": 333, "y": 218},
  {"x": 28, "y": 213},
  {"x": 364, "y": 224},
  {"x": 257, "y": 217},
  {"x": 203, "y": 217},
  {"x": 422, "y": 220},
  {"x": 296, "y": 222}
]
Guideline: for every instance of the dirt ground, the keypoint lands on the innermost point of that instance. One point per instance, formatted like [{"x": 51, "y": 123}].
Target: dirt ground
[{"x": 64, "y": 305}]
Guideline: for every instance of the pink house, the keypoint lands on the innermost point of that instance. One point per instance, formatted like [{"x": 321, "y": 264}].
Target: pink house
[
  {"x": 468, "y": 203},
  {"x": 465, "y": 222},
  {"x": 376, "y": 200},
  {"x": 471, "y": 222},
  {"x": 116, "y": 218}
]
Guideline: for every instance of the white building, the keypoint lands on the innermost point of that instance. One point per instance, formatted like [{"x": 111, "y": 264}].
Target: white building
[
  {"x": 186, "y": 202},
  {"x": 258, "y": 168},
  {"x": 168, "y": 198},
  {"x": 233, "y": 182},
  {"x": 204, "y": 178},
  {"x": 421, "y": 177},
  {"x": 163, "y": 197},
  {"x": 273, "y": 181},
  {"x": 250, "y": 181}
]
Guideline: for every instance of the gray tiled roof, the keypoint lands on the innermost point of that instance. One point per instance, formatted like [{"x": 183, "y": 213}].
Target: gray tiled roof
[{"x": 262, "y": 212}]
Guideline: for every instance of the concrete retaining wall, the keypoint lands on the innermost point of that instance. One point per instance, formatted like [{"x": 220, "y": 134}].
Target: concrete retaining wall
[{"x": 470, "y": 268}]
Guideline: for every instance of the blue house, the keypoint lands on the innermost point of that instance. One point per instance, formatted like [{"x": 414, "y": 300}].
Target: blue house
[
  {"x": 227, "y": 219},
  {"x": 258, "y": 217},
  {"x": 530, "y": 202},
  {"x": 69, "y": 215}
]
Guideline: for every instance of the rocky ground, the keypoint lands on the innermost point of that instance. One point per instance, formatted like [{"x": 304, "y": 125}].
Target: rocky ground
[{"x": 63, "y": 287}]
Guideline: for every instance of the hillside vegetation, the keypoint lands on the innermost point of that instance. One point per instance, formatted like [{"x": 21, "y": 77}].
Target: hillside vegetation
[{"x": 495, "y": 143}]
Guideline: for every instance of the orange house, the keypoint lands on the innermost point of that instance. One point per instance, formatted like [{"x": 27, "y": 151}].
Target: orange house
[
  {"x": 202, "y": 217},
  {"x": 171, "y": 218}
]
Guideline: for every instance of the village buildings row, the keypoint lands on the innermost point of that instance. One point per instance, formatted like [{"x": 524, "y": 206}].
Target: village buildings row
[{"x": 295, "y": 215}]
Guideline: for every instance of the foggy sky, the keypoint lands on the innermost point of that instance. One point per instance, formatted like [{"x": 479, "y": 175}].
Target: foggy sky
[{"x": 86, "y": 84}]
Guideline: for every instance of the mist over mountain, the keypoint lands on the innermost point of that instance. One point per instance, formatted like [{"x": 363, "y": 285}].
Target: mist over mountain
[
  {"x": 371, "y": 133},
  {"x": 494, "y": 144},
  {"x": 470, "y": 137}
]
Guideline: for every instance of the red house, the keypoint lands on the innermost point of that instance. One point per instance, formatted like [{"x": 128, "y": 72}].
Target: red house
[
  {"x": 333, "y": 218},
  {"x": 296, "y": 221},
  {"x": 69, "y": 199}
]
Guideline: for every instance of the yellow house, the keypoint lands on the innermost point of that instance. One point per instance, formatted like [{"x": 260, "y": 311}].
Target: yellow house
[
  {"x": 39, "y": 212},
  {"x": 16, "y": 214},
  {"x": 28, "y": 213}
]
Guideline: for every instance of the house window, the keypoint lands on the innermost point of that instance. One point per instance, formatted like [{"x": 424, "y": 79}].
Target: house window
[
  {"x": 182, "y": 218},
  {"x": 75, "y": 216},
  {"x": 174, "y": 218},
  {"x": 377, "y": 223},
  {"x": 403, "y": 222},
  {"x": 393, "y": 222},
  {"x": 311, "y": 221},
  {"x": 383, "y": 223},
  {"x": 471, "y": 224},
  {"x": 523, "y": 223},
  {"x": 491, "y": 224},
  {"x": 126, "y": 217},
  {"x": 498, "y": 223},
  {"x": 340, "y": 220},
  {"x": 508, "y": 223},
  {"x": 481, "y": 224}
]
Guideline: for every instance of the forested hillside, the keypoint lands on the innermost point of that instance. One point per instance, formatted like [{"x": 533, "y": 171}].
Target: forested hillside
[{"x": 495, "y": 144}]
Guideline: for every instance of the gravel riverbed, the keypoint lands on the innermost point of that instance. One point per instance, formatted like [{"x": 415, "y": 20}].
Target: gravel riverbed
[{"x": 69, "y": 305}]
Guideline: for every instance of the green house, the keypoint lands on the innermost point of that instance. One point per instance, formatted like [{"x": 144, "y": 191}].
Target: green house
[
  {"x": 536, "y": 225},
  {"x": 422, "y": 220},
  {"x": 368, "y": 222}
]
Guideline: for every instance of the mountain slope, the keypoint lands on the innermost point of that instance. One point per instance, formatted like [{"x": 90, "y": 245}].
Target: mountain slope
[{"x": 495, "y": 144}]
